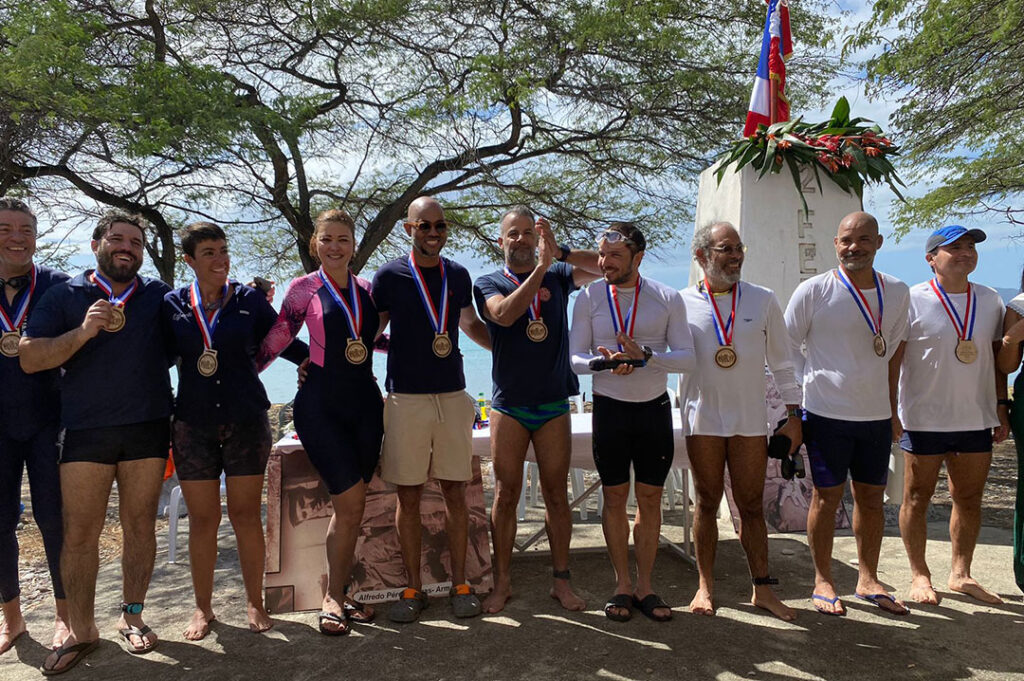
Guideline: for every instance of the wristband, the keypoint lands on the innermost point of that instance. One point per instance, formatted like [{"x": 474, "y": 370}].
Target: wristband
[
  {"x": 794, "y": 413},
  {"x": 648, "y": 353},
  {"x": 1004, "y": 403},
  {"x": 564, "y": 254}
]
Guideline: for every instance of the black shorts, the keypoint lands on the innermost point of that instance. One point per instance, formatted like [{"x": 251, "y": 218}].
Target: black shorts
[
  {"x": 202, "y": 452},
  {"x": 955, "y": 442},
  {"x": 113, "y": 444},
  {"x": 633, "y": 433}
]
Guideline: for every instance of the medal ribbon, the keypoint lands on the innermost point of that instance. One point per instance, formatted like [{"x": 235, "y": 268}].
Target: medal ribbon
[
  {"x": 438, "y": 320},
  {"x": 862, "y": 302},
  {"x": 206, "y": 327},
  {"x": 21, "y": 311},
  {"x": 534, "y": 309},
  {"x": 724, "y": 330},
  {"x": 354, "y": 312},
  {"x": 108, "y": 288},
  {"x": 964, "y": 328},
  {"x": 620, "y": 325}
]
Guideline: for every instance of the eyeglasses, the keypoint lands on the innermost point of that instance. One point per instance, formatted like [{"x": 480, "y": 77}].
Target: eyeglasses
[
  {"x": 425, "y": 226},
  {"x": 729, "y": 250},
  {"x": 614, "y": 238}
]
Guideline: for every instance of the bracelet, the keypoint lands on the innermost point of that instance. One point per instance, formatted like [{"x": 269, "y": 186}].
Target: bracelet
[
  {"x": 793, "y": 413},
  {"x": 1004, "y": 403}
]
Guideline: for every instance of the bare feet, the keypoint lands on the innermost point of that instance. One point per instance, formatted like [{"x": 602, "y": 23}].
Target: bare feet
[
  {"x": 702, "y": 603},
  {"x": 139, "y": 644},
  {"x": 922, "y": 591},
  {"x": 61, "y": 631},
  {"x": 259, "y": 619},
  {"x": 826, "y": 600},
  {"x": 969, "y": 586},
  {"x": 9, "y": 632},
  {"x": 332, "y": 606},
  {"x": 561, "y": 590},
  {"x": 495, "y": 601},
  {"x": 766, "y": 599},
  {"x": 199, "y": 625}
]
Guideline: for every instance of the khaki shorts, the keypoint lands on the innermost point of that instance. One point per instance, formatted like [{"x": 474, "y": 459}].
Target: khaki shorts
[{"x": 427, "y": 436}]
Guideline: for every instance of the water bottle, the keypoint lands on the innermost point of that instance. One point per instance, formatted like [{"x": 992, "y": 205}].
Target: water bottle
[{"x": 481, "y": 405}]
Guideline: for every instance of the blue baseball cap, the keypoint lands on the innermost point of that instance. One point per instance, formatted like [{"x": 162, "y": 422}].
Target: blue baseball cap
[{"x": 949, "y": 234}]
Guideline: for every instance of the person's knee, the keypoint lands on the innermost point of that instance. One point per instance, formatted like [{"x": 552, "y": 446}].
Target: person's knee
[
  {"x": 507, "y": 494},
  {"x": 616, "y": 496},
  {"x": 708, "y": 500},
  {"x": 870, "y": 498},
  {"x": 409, "y": 496},
  {"x": 826, "y": 499},
  {"x": 969, "y": 499}
]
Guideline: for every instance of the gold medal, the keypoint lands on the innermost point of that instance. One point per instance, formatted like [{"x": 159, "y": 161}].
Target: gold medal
[
  {"x": 966, "y": 351},
  {"x": 879, "y": 344},
  {"x": 9, "y": 343},
  {"x": 355, "y": 351},
  {"x": 537, "y": 330},
  {"x": 207, "y": 363},
  {"x": 117, "y": 320},
  {"x": 725, "y": 357},
  {"x": 442, "y": 345}
]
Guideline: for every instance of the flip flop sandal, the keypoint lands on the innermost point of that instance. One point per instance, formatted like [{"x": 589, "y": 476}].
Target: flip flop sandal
[
  {"x": 649, "y": 603},
  {"x": 408, "y": 608},
  {"x": 80, "y": 650},
  {"x": 830, "y": 601},
  {"x": 356, "y": 611},
  {"x": 336, "y": 619},
  {"x": 620, "y": 602},
  {"x": 128, "y": 632},
  {"x": 879, "y": 599}
]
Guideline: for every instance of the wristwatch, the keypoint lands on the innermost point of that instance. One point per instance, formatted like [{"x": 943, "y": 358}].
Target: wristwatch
[
  {"x": 564, "y": 254},
  {"x": 648, "y": 352},
  {"x": 1004, "y": 403},
  {"x": 793, "y": 413}
]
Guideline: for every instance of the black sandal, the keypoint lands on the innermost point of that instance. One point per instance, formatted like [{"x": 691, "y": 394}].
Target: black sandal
[
  {"x": 651, "y": 602},
  {"x": 336, "y": 619},
  {"x": 79, "y": 649},
  {"x": 622, "y": 602}
]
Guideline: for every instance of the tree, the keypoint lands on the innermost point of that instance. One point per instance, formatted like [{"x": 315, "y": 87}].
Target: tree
[
  {"x": 953, "y": 67},
  {"x": 260, "y": 113}
]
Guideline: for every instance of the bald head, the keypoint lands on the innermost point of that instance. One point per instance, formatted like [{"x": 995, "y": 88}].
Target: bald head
[
  {"x": 425, "y": 208},
  {"x": 858, "y": 220},
  {"x": 856, "y": 242}
]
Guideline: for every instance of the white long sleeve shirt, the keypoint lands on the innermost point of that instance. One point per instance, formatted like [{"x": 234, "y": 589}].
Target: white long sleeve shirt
[
  {"x": 727, "y": 402},
  {"x": 660, "y": 324},
  {"x": 843, "y": 378}
]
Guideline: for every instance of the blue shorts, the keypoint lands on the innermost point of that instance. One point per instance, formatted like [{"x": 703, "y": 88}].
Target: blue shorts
[
  {"x": 836, "y": 448},
  {"x": 533, "y": 418},
  {"x": 958, "y": 442}
]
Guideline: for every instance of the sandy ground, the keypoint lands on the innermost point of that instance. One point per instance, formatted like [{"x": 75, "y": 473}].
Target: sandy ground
[{"x": 535, "y": 639}]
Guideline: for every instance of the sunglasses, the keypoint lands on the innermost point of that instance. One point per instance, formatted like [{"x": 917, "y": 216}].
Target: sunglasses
[
  {"x": 614, "y": 238},
  {"x": 425, "y": 226},
  {"x": 729, "y": 250}
]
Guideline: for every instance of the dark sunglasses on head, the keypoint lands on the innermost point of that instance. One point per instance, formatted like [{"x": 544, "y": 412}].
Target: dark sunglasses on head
[{"x": 426, "y": 225}]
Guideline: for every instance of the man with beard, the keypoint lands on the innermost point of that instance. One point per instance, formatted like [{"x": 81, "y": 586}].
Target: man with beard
[
  {"x": 852, "y": 322},
  {"x": 103, "y": 329},
  {"x": 524, "y": 305},
  {"x": 29, "y": 422},
  {"x": 428, "y": 416},
  {"x": 625, "y": 318},
  {"x": 737, "y": 328}
]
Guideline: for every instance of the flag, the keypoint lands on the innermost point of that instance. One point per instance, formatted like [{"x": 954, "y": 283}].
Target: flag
[{"x": 776, "y": 46}]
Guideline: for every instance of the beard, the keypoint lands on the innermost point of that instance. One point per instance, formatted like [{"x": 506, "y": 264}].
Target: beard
[
  {"x": 122, "y": 273},
  {"x": 520, "y": 258},
  {"x": 715, "y": 272},
  {"x": 617, "y": 279},
  {"x": 857, "y": 264}
]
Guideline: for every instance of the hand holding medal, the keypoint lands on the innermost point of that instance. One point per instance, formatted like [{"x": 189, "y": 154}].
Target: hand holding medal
[{"x": 116, "y": 313}]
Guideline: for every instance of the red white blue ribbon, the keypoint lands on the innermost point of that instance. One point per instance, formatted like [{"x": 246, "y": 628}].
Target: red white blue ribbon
[
  {"x": 724, "y": 330},
  {"x": 618, "y": 323},
  {"x": 354, "y": 312},
  {"x": 438, "y": 319},
  {"x": 862, "y": 302},
  {"x": 14, "y": 323},
  {"x": 964, "y": 328},
  {"x": 108, "y": 288},
  {"x": 534, "y": 309},
  {"x": 206, "y": 326}
]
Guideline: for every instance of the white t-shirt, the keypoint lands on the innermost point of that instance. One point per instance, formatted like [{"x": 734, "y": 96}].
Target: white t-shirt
[
  {"x": 938, "y": 392},
  {"x": 843, "y": 378},
  {"x": 660, "y": 324},
  {"x": 726, "y": 402}
]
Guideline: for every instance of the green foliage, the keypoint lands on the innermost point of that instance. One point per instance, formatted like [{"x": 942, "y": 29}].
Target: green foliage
[
  {"x": 851, "y": 152},
  {"x": 954, "y": 68}
]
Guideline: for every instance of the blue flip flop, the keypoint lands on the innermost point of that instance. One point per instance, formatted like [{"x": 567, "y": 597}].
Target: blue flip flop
[
  {"x": 878, "y": 599},
  {"x": 830, "y": 601}
]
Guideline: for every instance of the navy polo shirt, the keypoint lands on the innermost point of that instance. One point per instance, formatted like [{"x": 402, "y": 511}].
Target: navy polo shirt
[
  {"x": 115, "y": 379},
  {"x": 234, "y": 393},
  {"x": 525, "y": 373},
  {"x": 412, "y": 365},
  {"x": 28, "y": 402}
]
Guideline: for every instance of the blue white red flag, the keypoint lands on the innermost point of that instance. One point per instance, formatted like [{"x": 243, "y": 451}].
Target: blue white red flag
[{"x": 776, "y": 46}]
